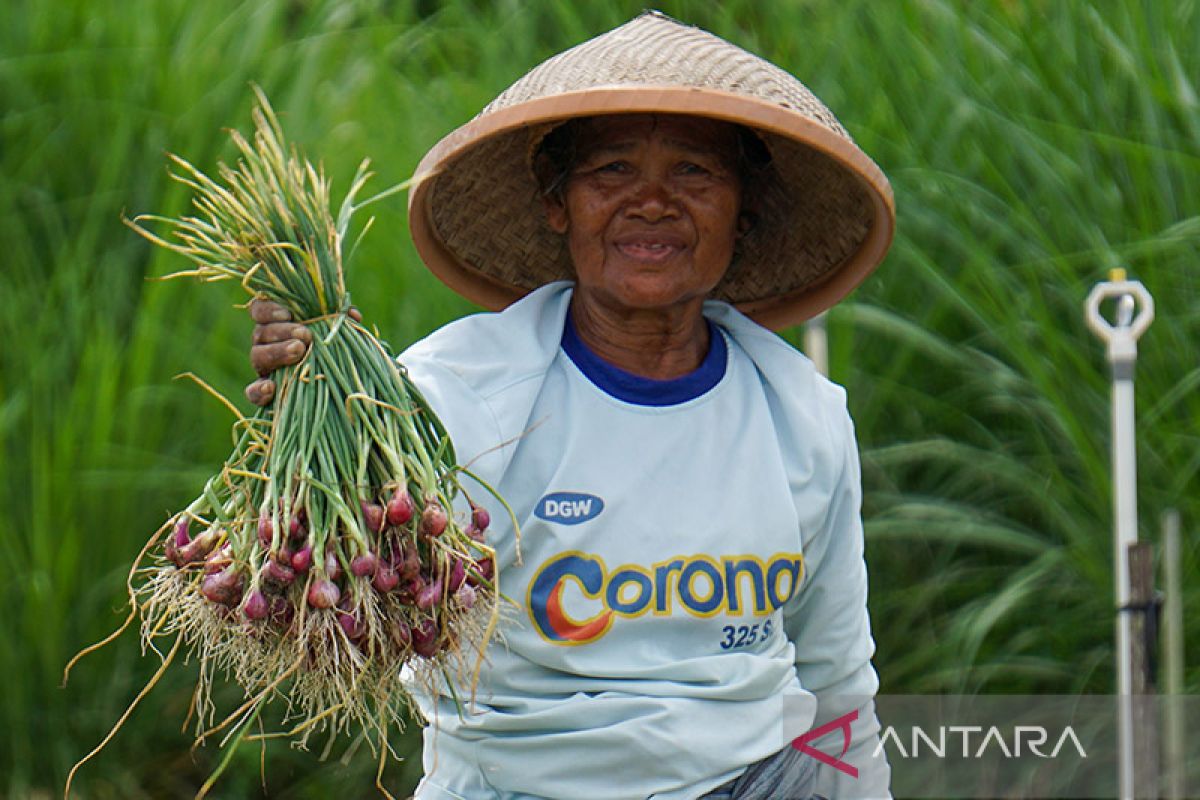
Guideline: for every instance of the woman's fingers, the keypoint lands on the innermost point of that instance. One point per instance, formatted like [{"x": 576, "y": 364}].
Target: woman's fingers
[
  {"x": 262, "y": 311},
  {"x": 266, "y": 358},
  {"x": 277, "y": 342},
  {"x": 271, "y": 332},
  {"x": 261, "y": 392}
]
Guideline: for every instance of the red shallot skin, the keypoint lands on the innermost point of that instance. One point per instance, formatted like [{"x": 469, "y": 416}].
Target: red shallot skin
[
  {"x": 373, "y": 517},
  {"x": 386, "y": 578},
  {"x": 351, "y": 624},
  {"x": 296, "y": 527},
  {"x": 265, "y": 530},
  {"x": 485, "y": 569},
  {"x": 424, "y": 638},
  {"x": 198, "y": 549},
  {"x": 181, "y": 531},
  {"x": 256, "y": 606},
  {"x": 302, "y": 559},
  {"x": 171, "y": 552},
  {"x": 364, "y": 565},
  {"x": 465, "y": 596},
  {"x": 400, "y": 508},
  {"x": 409, "y": 590},
  {"x": 411, "y": 566},
  {"x": 218, "y": 559},
  {"x": 323, "y": 593},
  {"x": 279, "y": 573},
  {"x": 480, "y": 518},
  {"x": 223, "y": 588},
  {"x": 401, "y": 634},
  {"x": 433, "y": 519},
  {"x": 178, "y": 538},
  {"x": 457, "y": 574},
  {"x": 430, "y": 595},
  {"x": 333, "y": 567}
]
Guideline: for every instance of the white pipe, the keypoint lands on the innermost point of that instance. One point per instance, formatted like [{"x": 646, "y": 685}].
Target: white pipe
[
  {"x": 1124, "y": 461},
  {"x": 1121, "y": 340}
]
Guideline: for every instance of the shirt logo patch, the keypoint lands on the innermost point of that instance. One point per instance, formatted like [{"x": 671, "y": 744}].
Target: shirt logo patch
[
  {"x": 568, "y": 508},
  {"x": 574, "y": 598}
]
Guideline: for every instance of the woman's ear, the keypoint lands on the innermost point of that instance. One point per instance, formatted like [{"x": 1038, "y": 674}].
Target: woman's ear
[
  {"x": 746, "y": 221},
  {"x": 556, "y": 212}
]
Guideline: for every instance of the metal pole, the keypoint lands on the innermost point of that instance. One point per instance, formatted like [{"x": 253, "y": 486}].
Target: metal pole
[
  {"x": 1121, "y": 340},
  {"x": 1143, "y": 619},
  {"x": 1173, "y": 661}
]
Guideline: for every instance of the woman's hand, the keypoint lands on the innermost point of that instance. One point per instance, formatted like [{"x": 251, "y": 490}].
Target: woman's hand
[{"x": 277, "y": 342}]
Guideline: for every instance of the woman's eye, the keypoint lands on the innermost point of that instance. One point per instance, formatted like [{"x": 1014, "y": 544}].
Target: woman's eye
[
  {"x": 612, "y": 167},
  {"x": 689, "y": 168}
]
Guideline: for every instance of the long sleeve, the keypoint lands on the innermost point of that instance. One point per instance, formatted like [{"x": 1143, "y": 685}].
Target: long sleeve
[{"x": 829, "y": 625}]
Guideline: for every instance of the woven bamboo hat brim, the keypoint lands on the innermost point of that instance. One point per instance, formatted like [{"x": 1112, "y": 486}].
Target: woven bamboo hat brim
[{"x": 826, "y": 213}]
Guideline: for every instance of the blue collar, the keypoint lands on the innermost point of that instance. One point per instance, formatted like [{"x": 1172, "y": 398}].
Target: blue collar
[{"x": 638, "y": 390}]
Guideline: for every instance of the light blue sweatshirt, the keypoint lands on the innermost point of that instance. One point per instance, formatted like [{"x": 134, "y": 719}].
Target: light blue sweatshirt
[{"x": 690, "y": 562}]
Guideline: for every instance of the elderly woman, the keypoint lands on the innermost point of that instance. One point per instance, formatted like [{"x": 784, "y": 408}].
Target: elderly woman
[{"x": 690, "y": 576}]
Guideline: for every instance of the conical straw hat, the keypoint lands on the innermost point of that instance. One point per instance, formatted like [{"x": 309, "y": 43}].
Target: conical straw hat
[{"x": 826, "y": 213}]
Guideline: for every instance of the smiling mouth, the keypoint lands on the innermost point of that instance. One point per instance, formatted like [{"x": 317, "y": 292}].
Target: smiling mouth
[{"x": 648, "y": 251}]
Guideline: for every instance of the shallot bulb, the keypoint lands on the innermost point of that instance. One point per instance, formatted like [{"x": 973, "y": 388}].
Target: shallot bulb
[
  {"x": 302, "y": 559},
  {"x": 266, "y": 530},
  {"x": 178, "y": 538},
  {"x": 401, "y": 634},
  {"x": 480, "y": 518},
  {"x": 411, "y": 565},
  {"x": 485, "y": 568},
  {"x": 400, "y": 508},
  {"x": 197, "y": 549},
  {"x": 279, "y": 573},
  {"x": 223, "y": 588},
  {"x": 364, "y": 565},
  {"x": 430, "y": 595},
  {"x": 323, "y": 593},
  {"x": 256, "y": 605},
  {"x": 457, "y": 574},
  {"x": 424, "y": 638},
  {"x": 351, "y": 624},
  {"x": 386, "y": 579},
  {"x": 218, "y": 559},
  {"x": 333, "y": 567},
  {"x": 465, "y": 596},
  {"x": 296, "y": 527},
  {"x": 373, "y": 516},
  {"x": 433, "y": 519}
]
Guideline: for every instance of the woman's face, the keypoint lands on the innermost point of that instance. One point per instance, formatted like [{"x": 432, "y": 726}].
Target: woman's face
[{"x": 650, "y": 209}]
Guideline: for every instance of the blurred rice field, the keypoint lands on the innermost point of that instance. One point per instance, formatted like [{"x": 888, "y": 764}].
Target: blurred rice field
[{"x": 1032, "y": 146}]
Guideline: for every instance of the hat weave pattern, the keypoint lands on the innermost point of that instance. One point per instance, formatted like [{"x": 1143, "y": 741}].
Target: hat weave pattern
[
  {"x": 654, "y": 46},
  {"x": 815, "y": 212}
]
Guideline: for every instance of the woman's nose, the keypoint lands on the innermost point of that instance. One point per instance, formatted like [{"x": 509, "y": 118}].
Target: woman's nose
[{"x": 652, "y": 199}]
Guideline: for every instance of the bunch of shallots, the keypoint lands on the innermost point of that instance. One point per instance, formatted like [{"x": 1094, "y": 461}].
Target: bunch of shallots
[{"x": 336, "y": 545}]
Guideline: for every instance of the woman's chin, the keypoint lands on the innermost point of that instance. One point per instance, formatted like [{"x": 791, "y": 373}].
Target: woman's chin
[{"x": 646, "y": 293}]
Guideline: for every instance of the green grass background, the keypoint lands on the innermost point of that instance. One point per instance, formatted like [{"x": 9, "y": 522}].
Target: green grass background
[{"x": 1032, "y": 146}]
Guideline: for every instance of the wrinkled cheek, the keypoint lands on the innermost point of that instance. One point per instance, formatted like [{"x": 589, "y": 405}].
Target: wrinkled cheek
[
  {"x": 587, "y": 259},
  {"x": 717, "y": 254}
]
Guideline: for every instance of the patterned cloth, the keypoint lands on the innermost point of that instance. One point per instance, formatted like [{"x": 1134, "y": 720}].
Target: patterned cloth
[{"x": 787, "y": 775}]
